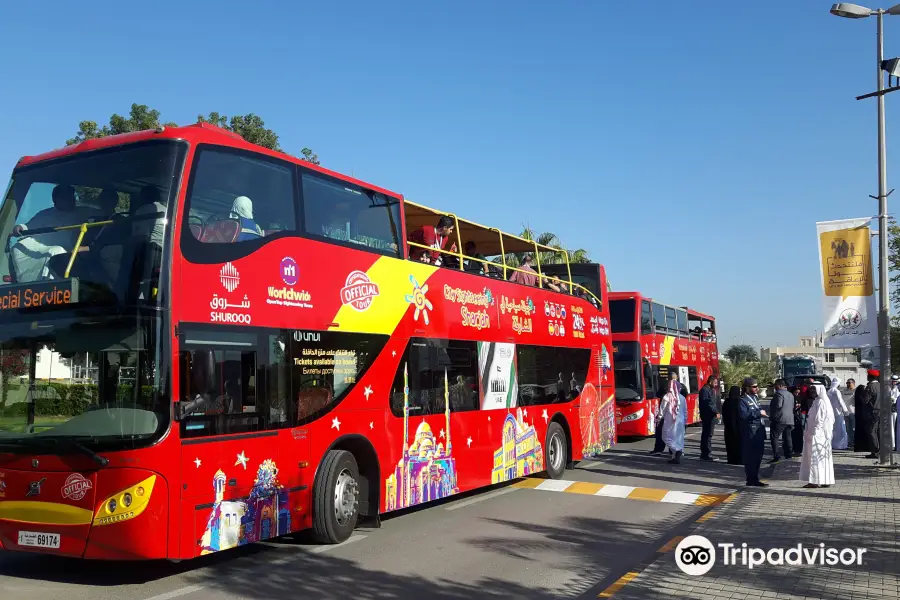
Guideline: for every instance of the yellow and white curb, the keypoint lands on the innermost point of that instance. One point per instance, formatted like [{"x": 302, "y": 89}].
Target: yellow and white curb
[{"x": 622, "y": 491}]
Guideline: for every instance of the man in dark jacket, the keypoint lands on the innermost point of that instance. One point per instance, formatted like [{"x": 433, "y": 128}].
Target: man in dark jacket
[
  {"x": 781, "y": 421},
  {"x": 708, "y": 414},
  {"x": 753, "y": 434}
]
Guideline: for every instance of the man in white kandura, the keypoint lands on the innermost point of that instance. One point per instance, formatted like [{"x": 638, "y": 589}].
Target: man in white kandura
[
  {"x": 839, "y": 439},
  {"x": 817, "y": 465}
]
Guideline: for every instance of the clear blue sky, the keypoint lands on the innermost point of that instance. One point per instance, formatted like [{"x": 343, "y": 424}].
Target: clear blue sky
[{"x": 690, "y": 150}]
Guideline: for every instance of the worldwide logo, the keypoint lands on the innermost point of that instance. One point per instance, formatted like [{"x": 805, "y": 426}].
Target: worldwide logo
[
  {"x": 290, "y": 273},
  {"x": 76, "y": 487},
  {"x": 359, "y": 291}
]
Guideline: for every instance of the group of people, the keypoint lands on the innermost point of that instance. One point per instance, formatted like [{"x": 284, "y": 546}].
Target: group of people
[
  {"x": 808, "y": 419},
  {"x": 801, "y": 420},
  {"x": 433, "y": 244}
]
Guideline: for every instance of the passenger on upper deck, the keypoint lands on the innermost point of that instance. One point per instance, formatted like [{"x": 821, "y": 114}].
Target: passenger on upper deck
[
  {"x": 242, "y": 210},
  {"x": 526, "y": 275},
  {"x": 433, "y": 237},
  {"x": 557, "y": 286},
  {"x": 474, "y": 266}
]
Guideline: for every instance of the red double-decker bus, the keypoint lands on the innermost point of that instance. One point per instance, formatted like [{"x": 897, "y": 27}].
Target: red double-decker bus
[
  {"x": 650, "y": 341},
  {"x": 205, "y": 343}
]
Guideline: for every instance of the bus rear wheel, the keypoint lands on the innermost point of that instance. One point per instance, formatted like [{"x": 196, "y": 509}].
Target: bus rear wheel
[
  {"x": 556, "y": 448},
  {"x": 336, "y": 498}
]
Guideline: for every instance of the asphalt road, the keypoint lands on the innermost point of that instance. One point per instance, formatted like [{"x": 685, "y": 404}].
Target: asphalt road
[{"x": 504, "y": 542}]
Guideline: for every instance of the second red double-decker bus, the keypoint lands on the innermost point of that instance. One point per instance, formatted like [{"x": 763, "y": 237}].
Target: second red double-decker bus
[
  {"x": 206, "y": 343},
  {"x": 650, "y": 341}
]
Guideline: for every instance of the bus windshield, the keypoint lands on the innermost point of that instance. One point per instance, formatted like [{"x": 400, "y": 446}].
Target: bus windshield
[
  {"x": 97, "y": 217},
  {"x": 94, "y": 382},
  {"x": 627, "y": 366},
  {"x": 621, "y": 315}
]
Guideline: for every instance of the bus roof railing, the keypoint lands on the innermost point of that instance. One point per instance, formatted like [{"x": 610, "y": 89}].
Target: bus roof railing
[{"x": 490, "y": 241}]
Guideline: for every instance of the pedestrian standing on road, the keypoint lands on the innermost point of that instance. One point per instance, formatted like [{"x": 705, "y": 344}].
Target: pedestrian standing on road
[
  {"x": 817, "y": 466},
  {"x": 850, "y": 419},
  {"x": 781, "y": 421},
  {"x": 659, "y": 446},
  {"x": 866, "y": 400},
  {"x": 799, "y": 419},
  {"x": 674, "y": 409},
  {"x": 895, "y": 397},
  {"x": 839, "y": 436},
  {"x": 731, "y": 419},
  {"x": 709, "y": 412},
  {"x": 753, "y": 434}
]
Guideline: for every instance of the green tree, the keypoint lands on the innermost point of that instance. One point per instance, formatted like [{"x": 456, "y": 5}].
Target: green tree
[
  {"x": 733, "y": 373},
  {"x": 140, "y": 117},
  {"x": 741, "y": 353},
  {"x": 251, "y": 127},
  {"x": 13, "y": 363},
  {"x": 547, "y": 257}
]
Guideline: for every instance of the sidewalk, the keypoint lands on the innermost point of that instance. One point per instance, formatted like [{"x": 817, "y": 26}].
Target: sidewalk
[{"x": 862, "y": 510}]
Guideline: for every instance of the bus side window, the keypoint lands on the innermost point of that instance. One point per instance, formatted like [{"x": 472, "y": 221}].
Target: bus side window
[
  {"x": 548, "y": 375},
  {"x": 218, "y": 392},
  {"x": 692, "y": 380},
  {"x": 650, "y": 379},
  {"x": 646, "y": 318},
  {"x": 438, "y": 371}
]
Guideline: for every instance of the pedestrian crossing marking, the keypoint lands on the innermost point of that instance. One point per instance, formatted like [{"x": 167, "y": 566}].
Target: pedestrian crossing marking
[
  {"x": 706, "y": 516},
  {"x": 670, "y": 545},
  {"x": 584, "y": 487},
  {"x": 618, "y": 585},
  {"x": 611, "y": 490}
]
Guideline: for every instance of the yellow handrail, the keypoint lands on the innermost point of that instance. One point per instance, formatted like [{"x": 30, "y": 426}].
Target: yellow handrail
[{"x": 82, "y": 227}]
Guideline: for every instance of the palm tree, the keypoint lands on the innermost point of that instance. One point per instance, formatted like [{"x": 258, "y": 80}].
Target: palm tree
[{"x": 547, "y": 257}]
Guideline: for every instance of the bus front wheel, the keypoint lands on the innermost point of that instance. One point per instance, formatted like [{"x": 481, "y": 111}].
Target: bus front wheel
[
  {"x": 556, "y": 449},
  {"x": 336, "y": 502}
]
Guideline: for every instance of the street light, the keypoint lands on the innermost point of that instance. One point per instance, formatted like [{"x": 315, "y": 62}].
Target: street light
[{"x": 854, "y": 11}]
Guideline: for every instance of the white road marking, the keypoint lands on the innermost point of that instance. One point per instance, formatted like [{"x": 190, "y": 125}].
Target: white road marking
[
  {"x": 479, "y": 498},
  {"x": 615, "y": 491},
  {"x": 294, "y": 555},
  {"x": 177, "y": 593},
  {"x": 327, "y": 547},
  {"x": 554, "y": 485},
  {"x": 676, "y": 497},
  {"x": 589, "y": 464}
]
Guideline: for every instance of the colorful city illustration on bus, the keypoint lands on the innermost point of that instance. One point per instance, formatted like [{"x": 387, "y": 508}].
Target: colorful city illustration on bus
[
  {"x": 263, "y": 515},
  {"x": 427, "y": 471}
]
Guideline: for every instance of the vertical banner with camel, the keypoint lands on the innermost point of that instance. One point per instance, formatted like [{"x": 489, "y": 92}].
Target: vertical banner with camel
[{"x": 845, "y": 260}]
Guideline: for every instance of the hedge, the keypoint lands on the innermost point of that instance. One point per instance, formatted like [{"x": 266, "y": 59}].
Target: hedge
[{"x": 63, "y": 400}]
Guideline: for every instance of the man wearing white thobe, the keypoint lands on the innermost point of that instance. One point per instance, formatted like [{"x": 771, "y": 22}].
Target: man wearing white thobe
[
  {"x": 817, "y": 465},
  {"x": 674, "y": 410},
  {"x": 839, "y": 439}
]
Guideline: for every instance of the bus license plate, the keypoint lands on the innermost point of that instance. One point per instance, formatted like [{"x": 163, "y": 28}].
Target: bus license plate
[{"x": 35, "y": 539}]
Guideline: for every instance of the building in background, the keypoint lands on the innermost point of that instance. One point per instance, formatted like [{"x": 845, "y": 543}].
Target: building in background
[{"x": 834, "y": 362}]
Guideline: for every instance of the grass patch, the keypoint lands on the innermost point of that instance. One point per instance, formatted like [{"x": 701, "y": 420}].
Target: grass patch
[{"x": 18, "y": 424}]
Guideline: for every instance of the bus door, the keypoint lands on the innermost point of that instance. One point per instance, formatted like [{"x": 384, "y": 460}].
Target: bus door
[{"x": 233, "y": 479}]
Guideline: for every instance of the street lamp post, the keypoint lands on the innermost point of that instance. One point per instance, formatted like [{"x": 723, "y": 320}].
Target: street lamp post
[{"x": 853, "y": 11}]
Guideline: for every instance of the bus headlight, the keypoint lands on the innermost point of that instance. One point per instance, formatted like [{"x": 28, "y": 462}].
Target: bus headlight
[
  {"x": 126, "y": 504},
  {"x": 634, "y": 416}
]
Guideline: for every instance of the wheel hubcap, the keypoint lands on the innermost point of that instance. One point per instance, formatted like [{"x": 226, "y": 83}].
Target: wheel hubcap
[
  {"x": 346, "y": 498},
  {"x": 556, "y": 452}
]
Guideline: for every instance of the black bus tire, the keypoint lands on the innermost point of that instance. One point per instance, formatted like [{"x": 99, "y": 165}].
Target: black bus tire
[
  {"x": 556, "y": 449},
  {"x": 336, "y": 498}
]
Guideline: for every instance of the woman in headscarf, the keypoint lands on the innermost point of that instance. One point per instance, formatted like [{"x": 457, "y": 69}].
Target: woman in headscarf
[
  {"x": 839, "y": 439},
  {"x": 242, "y": 210},
  {"x": 731, "y": 412},
  {"x": 674, "y": 409},
  {"x": 817, "y": 465}
]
